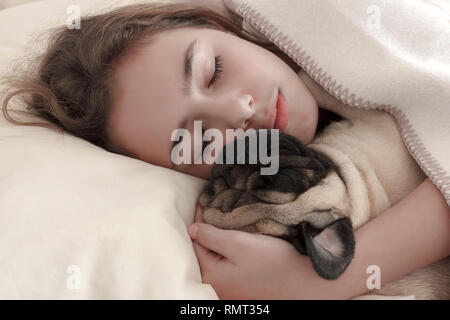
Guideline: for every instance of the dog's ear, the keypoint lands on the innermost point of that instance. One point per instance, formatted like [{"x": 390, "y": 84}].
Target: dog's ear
[{"x": 330, "y": 249}]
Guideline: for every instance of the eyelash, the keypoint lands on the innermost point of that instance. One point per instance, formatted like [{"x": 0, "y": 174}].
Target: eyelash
[{"x": 217, "y": 71}]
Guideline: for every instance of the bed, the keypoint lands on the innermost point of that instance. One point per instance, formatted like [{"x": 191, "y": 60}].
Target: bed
[{"x": 76, "y": 221}]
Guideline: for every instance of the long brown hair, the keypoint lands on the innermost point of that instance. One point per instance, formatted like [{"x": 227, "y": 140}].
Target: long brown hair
[{"x": 71, "y": 86}]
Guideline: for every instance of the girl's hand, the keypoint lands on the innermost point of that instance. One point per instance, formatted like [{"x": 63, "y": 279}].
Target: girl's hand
[{"x": 242, "y": 265}]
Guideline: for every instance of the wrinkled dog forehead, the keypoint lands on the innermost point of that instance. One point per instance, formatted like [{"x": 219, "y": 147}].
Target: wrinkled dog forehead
[{"x": 234, "y": 185}]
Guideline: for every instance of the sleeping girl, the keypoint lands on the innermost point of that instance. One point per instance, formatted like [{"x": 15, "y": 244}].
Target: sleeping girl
[{"x": 130, "y": 77}]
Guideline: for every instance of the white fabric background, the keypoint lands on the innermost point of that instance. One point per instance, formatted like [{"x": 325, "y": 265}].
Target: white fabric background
[{"x": 64, "y": 202}]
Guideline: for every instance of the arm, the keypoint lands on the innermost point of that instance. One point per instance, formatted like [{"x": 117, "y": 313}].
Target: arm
[
  {"x": 239, "y": 265},
  {"x": 412, "y": 234}
]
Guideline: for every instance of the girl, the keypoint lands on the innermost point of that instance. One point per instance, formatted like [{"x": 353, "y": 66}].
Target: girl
[{"x": 128, "y": 78}]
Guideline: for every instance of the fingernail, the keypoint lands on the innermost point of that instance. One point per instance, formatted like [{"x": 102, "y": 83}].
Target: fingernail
[{"x": 193, "y": 231}]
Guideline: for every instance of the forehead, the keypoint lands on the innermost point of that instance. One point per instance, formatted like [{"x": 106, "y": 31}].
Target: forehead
[
  {"x": 157, "y": 65},
  {"x": 160, "y": 59}
]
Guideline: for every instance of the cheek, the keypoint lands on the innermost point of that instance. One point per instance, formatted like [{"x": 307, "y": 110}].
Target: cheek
[
  {"x": 202, "y": 171},
  {"x": 303, "y": 117},
  {"x": 239, "y": 70},
  {"x": 245, "y": 61}
]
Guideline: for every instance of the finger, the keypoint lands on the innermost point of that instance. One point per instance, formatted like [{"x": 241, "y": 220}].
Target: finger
[
  {"x": 207, "y": 259},
  {"x": 199, "y": 214},
  {"x": 223, "y": 242}
]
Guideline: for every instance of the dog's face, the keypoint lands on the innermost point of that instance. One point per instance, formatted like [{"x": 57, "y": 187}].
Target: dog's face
[
  {"x": 237, "y": 185},
  {"x": 300, "y": 168}
]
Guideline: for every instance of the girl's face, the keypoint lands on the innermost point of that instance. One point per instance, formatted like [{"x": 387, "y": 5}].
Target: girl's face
[{"x": 192, "y": 74}]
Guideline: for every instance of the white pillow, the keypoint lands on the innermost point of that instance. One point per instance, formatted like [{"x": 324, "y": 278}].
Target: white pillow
[
  {"x": 11, "y": 3},
  {"x": 78, "y": 222}
]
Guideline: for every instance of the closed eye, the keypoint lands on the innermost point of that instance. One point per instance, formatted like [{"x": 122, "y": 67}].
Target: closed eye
[{"x": 217, "y": 70}]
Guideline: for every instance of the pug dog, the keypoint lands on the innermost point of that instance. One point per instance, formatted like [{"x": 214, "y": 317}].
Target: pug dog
[{"x": 350, "y": 173}]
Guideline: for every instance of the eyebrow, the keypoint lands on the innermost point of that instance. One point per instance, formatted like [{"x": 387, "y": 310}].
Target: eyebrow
[{"x": 188, "y": 60}]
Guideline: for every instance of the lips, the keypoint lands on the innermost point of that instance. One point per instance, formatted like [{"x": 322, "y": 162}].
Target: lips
[
  {"x": 277, "y": 117},
  {"x": 281, "y": 119}
]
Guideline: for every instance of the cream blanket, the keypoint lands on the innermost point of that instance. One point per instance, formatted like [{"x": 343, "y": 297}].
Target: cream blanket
[{"x": 383, "y": 55}]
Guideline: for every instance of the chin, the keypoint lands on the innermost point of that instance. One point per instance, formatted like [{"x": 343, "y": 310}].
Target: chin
[{"x": 304, "y": 136}]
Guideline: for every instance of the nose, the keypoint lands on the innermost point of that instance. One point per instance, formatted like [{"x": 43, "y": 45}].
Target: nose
[
  {"x": 250, "y": 104},
  {"x": 236, "y": 112}
]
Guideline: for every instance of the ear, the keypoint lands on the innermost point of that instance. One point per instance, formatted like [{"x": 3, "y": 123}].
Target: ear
[{"x": 330, "y": 249}]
